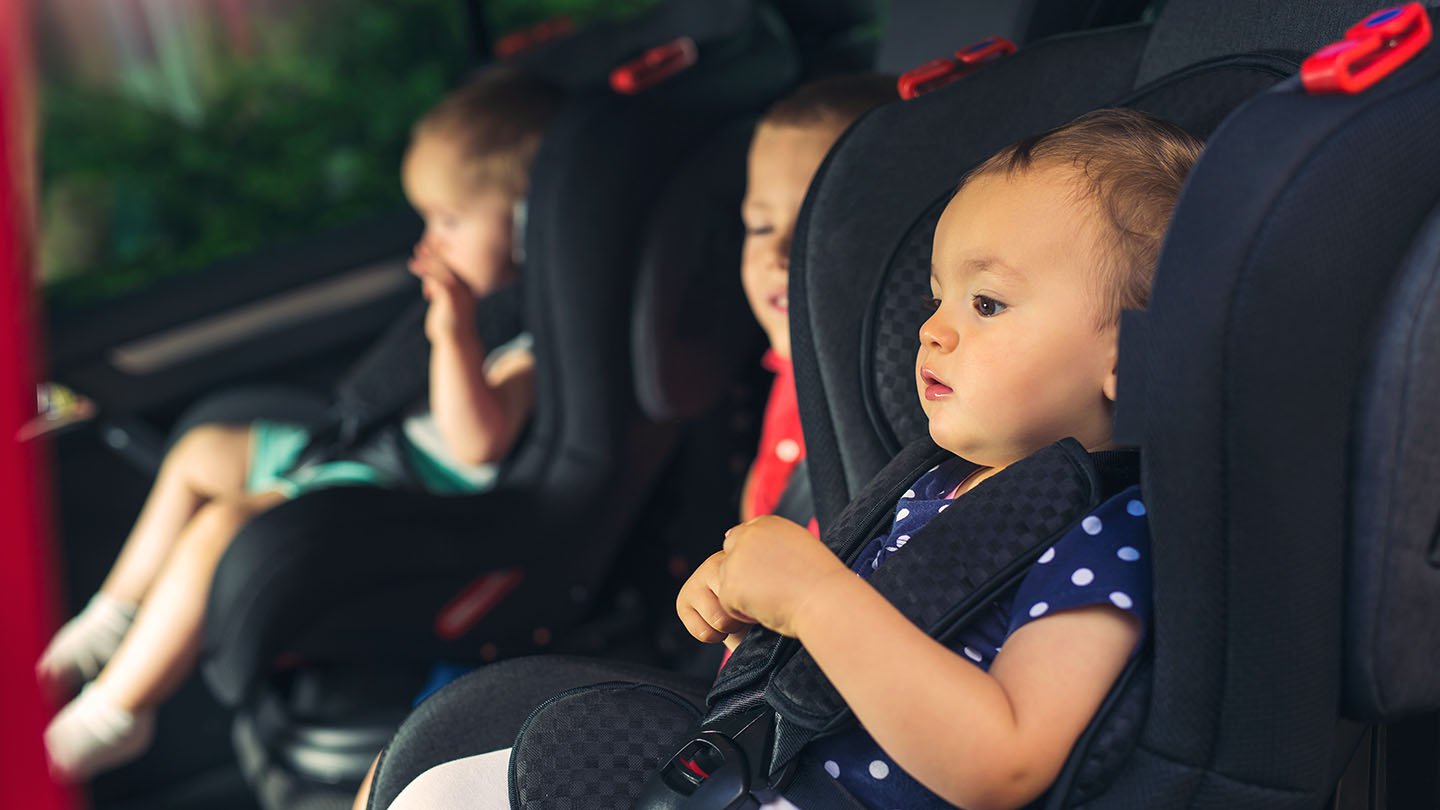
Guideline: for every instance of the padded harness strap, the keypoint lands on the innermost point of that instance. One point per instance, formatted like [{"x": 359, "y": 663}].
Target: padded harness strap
[
  {"x": 957, "y": 564},
  {"x": 395, "y": 372}
]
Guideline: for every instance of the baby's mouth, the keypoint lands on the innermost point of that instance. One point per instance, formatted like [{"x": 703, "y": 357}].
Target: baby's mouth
[
  {"x": 935, "y": 388},
  {"x": 780, "y": 302}
]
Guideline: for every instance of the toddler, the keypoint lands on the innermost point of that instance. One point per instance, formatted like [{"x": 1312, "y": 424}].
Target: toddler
[
  {"x": 791, "y": 140},
  {"x": 465, "y": 172}
]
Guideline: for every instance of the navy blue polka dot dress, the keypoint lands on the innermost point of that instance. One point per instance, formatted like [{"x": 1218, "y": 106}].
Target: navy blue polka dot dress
[{"x": 1103, "y": 560}]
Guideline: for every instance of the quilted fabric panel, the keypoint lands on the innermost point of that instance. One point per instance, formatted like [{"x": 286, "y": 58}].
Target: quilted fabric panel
[{"x": 595, "y": 748}]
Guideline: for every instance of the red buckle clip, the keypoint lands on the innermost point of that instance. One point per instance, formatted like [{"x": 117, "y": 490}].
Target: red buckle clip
[
  {"x": 527, "y": 38},
  {"x": 939, "y": 72},
  {"x": 1372, "y": 49},
  {"x": 654, "y": 66}
]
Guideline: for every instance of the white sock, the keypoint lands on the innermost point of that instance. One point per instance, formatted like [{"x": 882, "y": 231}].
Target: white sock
[
  {"x": 86, "y": 642},
  {"x": 92, "y": 734}
]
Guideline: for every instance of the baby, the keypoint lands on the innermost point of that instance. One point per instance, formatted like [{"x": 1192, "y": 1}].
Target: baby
[
  {"x": 1034, "y": 258},
  {"x": 466, "y": 170}
]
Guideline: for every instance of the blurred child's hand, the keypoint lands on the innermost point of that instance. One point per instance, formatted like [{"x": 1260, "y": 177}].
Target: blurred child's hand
[
  {"x": 700, "y": 610},
  {"x": 769, "y": 570},
  {"x": 452, "y": 304}
]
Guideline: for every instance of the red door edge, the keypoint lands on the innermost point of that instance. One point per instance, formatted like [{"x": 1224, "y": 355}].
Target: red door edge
[{"x": 27, "y": 592}]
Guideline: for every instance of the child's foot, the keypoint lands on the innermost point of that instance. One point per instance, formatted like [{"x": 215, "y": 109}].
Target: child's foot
[
  {"x": 85, "y": 643},
  {"x": 91, "y": 734}
]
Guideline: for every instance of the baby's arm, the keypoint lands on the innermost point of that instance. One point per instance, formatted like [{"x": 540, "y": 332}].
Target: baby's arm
[
  {"x": 980, "y": 740},
  {"x": 479, "y": 414}
]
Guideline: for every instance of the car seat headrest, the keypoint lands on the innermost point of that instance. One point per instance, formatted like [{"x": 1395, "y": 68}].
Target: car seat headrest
[
  {"x": 918, "y": 30},
  {"x": 827, "y": 17},
  {"x": 1189, "y": 31},
  {"x": 693, "y": 332},
  {"x": 1393, "y": 578},
  {"x": 583, "y": 60}
]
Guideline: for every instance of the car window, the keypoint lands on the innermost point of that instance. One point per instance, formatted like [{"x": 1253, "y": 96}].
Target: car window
[{"x": 177, "y": 134}]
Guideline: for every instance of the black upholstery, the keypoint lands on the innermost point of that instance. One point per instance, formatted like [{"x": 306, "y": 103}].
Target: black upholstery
[
  {"x": 919, "y": 30},
  {"x": 1252, "y": 355},
  {"x": 1395, "y": 519},
  {"x": 693, "y": 332},
  {"x": 509, "y": 691}
]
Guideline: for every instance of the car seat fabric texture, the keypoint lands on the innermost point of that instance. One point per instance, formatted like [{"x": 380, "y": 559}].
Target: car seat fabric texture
[{"x": 484, "y": 711}]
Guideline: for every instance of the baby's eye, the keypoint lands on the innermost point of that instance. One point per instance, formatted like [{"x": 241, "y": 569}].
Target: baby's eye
[
  {"x": 932, "y": 303},
  {"x": 758, "y": 230},
  {"x": 985, "y": 305}
]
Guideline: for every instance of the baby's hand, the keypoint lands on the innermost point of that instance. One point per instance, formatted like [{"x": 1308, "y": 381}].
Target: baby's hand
[
  {"x": 770, "y": 568},
  {"x": 452, "y": 304},
  {"x": 699, "y": 608}
]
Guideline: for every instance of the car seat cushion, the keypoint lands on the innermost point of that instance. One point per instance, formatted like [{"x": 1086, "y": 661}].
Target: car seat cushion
[{"x": 1393, "y": 646}]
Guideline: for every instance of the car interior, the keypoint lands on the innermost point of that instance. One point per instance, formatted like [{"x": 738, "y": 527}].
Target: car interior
[{"x": 1281, "y": 383}]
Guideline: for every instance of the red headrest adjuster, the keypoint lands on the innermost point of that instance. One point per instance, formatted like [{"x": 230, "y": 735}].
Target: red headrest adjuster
[
  {"x": 940, "y": 72},
  {"x": 654, "y": 66},
  {"x": 527, "y": 38},
  {"x": 1371, "y": 50}
]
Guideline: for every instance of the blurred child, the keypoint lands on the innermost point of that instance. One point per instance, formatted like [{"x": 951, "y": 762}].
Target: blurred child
[
  {"x": 466, "y": 170},
  {"x": 791, "y": 140}
]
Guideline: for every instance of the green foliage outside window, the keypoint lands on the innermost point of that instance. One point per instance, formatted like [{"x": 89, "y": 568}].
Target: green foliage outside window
[
  {"x": 303, "y": 133},
  {"x": 227, "y": 134}
]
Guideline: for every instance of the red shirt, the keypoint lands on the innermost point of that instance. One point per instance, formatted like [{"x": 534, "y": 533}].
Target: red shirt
[{"x": 782, "y": 444}]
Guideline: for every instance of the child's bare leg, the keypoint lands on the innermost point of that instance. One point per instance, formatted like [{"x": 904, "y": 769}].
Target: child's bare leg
[
  {"x": 362, "y": 796},
  {"x": 112, "y": 720},
  {"x": 208, "y": 462},
  {"x": 160, "y": 649}
]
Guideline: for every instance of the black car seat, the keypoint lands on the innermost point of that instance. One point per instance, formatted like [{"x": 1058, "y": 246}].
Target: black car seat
[
  {"x": 859, "y": 270},
  {"x": 326, "y": 611},
  {"x": 1249, "y": 384}
]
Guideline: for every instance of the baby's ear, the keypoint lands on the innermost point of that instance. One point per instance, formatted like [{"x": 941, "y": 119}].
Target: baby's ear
[{"x": 1110, "y": 385}]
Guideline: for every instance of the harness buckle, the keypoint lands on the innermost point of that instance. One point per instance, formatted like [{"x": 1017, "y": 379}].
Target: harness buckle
[
  {"x": 1372, "y": 49},
  {"x": 720, "y": 768}
]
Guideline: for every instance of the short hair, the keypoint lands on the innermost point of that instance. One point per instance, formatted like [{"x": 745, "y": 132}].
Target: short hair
[
  {"x": 836, "y": 102},
  {"x": 496, "y": 120},
  {"x": 1132, "y": 165}
]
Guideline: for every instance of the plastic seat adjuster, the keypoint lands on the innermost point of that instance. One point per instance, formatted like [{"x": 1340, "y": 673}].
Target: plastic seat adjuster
[
  {"x": 1372, "y": 49},
  {"x": 654, "y": 66},
  {"x": 537, "y": 34},
  {"x": 939, "y": 72}
]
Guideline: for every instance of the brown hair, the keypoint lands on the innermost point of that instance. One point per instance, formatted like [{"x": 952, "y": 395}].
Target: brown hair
[
  {"x": 496, "y": 120},
  {"x": 835, "y": 102},
  {"x": 1132, "y": 165}
]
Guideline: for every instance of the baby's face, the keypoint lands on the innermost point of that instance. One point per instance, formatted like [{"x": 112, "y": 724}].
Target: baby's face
[
  {"x": 470, "y": 231},
  {"x": 783, "y": 160},
  {"x": 1012, "y": 359}
]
